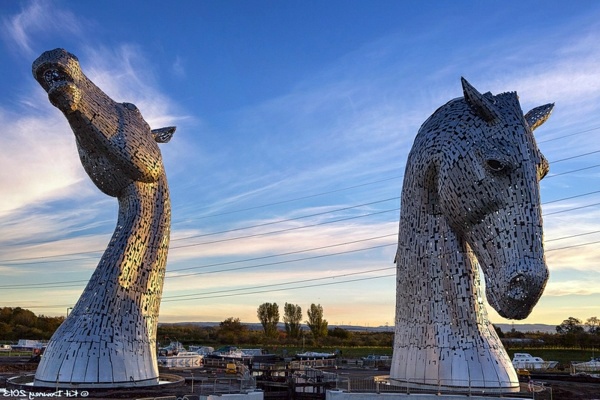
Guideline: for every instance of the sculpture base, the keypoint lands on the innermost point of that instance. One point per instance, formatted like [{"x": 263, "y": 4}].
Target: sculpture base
[
  {"x": 450, "y": 389},
  {"x": 29, "y": 383},
  {"x": 438, "y": 386},
  {"x": 101, "y": 385}
]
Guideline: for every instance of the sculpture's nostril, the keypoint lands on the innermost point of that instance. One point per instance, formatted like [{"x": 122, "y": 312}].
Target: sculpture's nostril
[{"x": 518, "y": 288}]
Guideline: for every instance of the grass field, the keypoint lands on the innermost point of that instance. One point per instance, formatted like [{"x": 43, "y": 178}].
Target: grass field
[{"x": 563, "y": 356}]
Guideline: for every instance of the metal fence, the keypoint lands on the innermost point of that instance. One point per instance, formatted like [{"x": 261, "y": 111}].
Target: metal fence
[
  {"x": 242, "y": 382},
  {"x": 386, "y": 385}
]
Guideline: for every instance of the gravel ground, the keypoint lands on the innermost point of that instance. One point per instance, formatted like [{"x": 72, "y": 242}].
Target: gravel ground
[{"x": 561, "y": 389}]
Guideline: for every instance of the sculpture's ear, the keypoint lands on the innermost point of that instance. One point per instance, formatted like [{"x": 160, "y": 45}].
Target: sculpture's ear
[
  {"x": 163, "y": 135},
  {"x": 481, "y": 105},
  {"x": 538, "y": 115}
]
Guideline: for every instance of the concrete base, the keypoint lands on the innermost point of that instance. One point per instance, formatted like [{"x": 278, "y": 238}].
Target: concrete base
[
  {"x": 258, "y": 395},
  {"x": 341, "y": 395}
]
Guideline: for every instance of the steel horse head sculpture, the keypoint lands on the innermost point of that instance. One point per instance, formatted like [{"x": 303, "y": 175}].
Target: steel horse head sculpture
[
  {"x": 109, "y": 339},
  {"x": 470, "y": 199}
]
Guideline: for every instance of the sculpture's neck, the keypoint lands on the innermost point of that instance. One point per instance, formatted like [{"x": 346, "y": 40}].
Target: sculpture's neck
[
  {"x": 436, "y": 267},
  {"x": 437, "y": 274},
  {"x": 142, "y": 232}
]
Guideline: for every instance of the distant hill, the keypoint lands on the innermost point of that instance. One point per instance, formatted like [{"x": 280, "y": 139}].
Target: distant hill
[
  {"x": 256, "y": 326},
  {"x": 505, "y": 327},
  {"x": 528, "y": 327}
]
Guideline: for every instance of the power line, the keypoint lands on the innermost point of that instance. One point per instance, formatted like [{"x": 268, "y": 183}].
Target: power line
[
  {"x": 53, "y": 285},
  {"x": 571, "y": 236},
  {"x": 285, "y": 254},
  {"x": 289, "y": 288},
  {"x": 306, "y": 216},
  {"x": 573, "y": 246},
  {"x": 573, "y": 171},
  {"x": 204, "y": 296},
  {"x": 287, "y": 229},
  {"x": 573, "y": 157},
  {"x": 569, "y": 135},
  {"x": 282, "y": 284},
  {"x": 571, "y": 197},
  {"x": 20, "y": 260},
  {"x": 288, "y": 219},
  {"x": 570, "y": 209},
  {"x": 245, "y": 292},
  {"x": 283, "y": 262},
  {"x": 299, "y": 198}
]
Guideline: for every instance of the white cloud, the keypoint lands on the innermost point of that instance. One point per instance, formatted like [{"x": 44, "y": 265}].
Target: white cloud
[
  {"x": 125, "y": 75},
  {"x": 38, "y": 18},
  {"x": 39, "y": 161},
  {"x": 572, "y": 287}
]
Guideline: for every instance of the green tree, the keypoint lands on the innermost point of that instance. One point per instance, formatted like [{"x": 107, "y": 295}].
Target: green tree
[
  {"x": 593, "y": 325},
  {"x": 498, "y": 331},
  {"x": 316, "y": 323},
  {"x": 570, "y": 325},
  {"x": 24, "y": 317},
  {"x": 292, "y": 317},
  {"x": 6, "y": 314},
  {"x": 232, "y": 331},
  {"x": 268, "y": 315},
  {"x": 340, "y": 333}
]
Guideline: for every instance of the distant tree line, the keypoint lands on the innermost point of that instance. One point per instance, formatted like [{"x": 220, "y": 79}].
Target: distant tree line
[
  {"x": 571, "y": 333},
  {"x": 18, "y": 323},
  {"x": 233, "y": 332}
]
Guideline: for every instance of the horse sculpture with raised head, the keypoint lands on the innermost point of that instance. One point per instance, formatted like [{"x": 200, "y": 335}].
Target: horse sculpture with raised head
[
  {"x": 109, "y": 339},
  {"x": 470, "y": 199}
]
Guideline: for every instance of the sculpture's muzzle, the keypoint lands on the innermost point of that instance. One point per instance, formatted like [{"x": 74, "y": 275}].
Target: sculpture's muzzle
[
  {"x": 58, "y": 72},
  {"x": 517, "y": 288}
]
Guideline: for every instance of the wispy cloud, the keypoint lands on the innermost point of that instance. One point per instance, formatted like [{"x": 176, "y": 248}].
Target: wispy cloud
[
  {"x": 39, "y": 161},
  {"x": 38, "y": 18},
  {"x": 571, "y": 287},
  {"x": 126, "y": 75}
]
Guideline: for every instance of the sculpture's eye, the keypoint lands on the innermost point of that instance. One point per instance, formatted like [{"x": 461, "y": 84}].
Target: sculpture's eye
[
  {"x": 131, "y": 106},
  {"x": 497, "y": 165},
  {"x": 54, "y": 75}
]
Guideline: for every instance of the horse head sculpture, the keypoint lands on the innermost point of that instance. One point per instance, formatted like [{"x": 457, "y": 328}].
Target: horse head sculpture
[
  {"x": 109, "y": 339},
  {"x": 470, "y": 198}
]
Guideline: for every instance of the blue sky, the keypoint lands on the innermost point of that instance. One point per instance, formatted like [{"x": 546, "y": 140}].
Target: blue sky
[{"x": 294, "y": 122}]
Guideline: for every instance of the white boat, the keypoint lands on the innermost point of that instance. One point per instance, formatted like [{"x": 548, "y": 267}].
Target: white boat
[
  {"x": 374, "y": 357},
  {"x": 172, "y": 349},
  {"x": 176, "y": 356},
  {"x": 588, "y": 367},
  {"x": 527, "y": 361},
  {"x": 183, "y": 359},
  {"x": 229, "y": 352},
  {"x": 202, "y": 350},
  {"x": 313, "y": 355}
]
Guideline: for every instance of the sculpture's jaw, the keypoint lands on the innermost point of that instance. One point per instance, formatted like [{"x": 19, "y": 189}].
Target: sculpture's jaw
[
  {"x": 65, "y": 96},
  {"x": 515, "y": 294}
]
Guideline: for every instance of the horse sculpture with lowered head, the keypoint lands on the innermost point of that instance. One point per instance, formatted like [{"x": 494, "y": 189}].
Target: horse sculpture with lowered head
[{"x": 470, "y": 199}]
